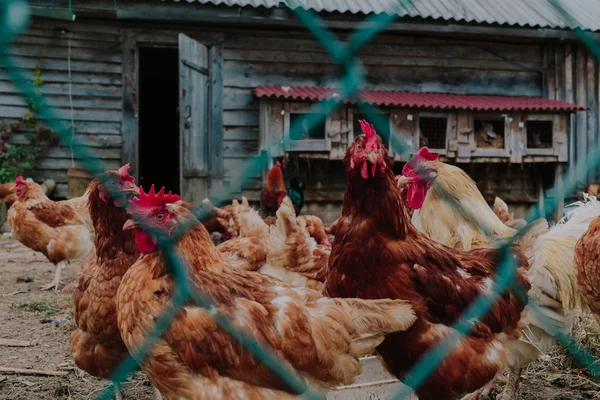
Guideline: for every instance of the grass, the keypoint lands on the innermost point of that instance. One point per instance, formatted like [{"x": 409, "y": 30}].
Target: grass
[{"x": 34, "y": 306}]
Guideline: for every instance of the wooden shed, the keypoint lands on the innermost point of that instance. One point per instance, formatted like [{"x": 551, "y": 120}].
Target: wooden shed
[{"x": 190, "y": 92}]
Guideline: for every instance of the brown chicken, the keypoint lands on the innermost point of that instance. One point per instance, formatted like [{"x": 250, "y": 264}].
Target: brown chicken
[
  {"x": 56, "y": 229},
  {"x": 550, "y": 252},
  {"x": 587, "y": 263},
  {"x": 195, "y": 358},
  {"x": 292, "y": 255},
  {"x": 223, "y": 219},
  {"x": 96, "y": 344},
  {"x": 248, "y": 250},
  {"x": 379, "y": 254}
]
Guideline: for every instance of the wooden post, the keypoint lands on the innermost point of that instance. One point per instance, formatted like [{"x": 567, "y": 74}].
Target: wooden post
[
  {"x": 129, "y": 120},
  {"x": 581, "y": 98},
  {"x": 591, "y": 113},
  {"x": 570, "y": 98},
  {"x": 558, "y": 186},
  {"x": 215, "y": 132}
]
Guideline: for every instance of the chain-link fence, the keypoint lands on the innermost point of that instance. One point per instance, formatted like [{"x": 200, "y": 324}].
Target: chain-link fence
[{"x": 14, "y": 19}]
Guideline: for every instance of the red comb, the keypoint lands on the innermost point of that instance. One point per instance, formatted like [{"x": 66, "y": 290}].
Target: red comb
[
  {"x": 425, "y": 155},
  {"x": 152, "y": 199},
  {"x": 368, "y": 129},
  {"x": 123, "y": 171},
  {"x": 278, "y": 164},
  {"x": 19, "y": 180}
]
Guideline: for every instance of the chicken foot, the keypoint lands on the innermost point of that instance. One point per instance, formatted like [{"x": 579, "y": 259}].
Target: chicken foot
[
  {"x": 56, "y": 282},
  {"x": 512, "y": 385},
  {"x": 482, "y": 393}
]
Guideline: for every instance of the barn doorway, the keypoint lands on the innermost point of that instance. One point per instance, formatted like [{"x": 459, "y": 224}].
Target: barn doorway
[{"x": 158, "y": 137}]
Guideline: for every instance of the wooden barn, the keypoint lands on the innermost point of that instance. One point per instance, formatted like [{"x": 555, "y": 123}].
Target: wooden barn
[{"x": 189, "y": 92}]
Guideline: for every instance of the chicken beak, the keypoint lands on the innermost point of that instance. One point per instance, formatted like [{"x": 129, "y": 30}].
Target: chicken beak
[
  {"x": 372, "y": 157},
  {"x": 134, "y": 190},
  {"x": 129, "y": 225}
]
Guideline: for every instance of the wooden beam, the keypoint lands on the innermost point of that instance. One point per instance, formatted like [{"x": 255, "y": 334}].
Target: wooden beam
[
  {"x": 215, "y": 54},
  {"x": 23, "y": 371},
  {"x": 15, "y": 343},
  {"x": 129, "y": 119},
  {"x": 590, "y": 81},
  {"x": 581, "y": 98}
]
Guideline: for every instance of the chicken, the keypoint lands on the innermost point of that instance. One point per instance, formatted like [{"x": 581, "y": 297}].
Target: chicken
[
  {"x": 55, "y": 229},
  {"x": 247, "y": 251},
  {"x": 273, "y": 191},
  {"x": 96, "y": 344},
  {"x": 378, "y": 254},
  {"x": 195, "y": 358},
  {"x": 439, "y": 219},
  {"x": 296, "y": 194},
  {"x": 222, "y": 219},
  {"x": 501, "y": 210},
  {"x": 587, "y": 261},
  {"x": 551, "y": 273},
  {"x": 292, "y": 255},
  {"x": 315, "y": 228}
]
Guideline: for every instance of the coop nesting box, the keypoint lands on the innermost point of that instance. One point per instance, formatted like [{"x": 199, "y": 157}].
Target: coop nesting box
[{"x": 79, "y": 180}]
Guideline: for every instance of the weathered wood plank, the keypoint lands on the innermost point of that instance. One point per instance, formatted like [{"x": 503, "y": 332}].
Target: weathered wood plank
[
  {"x": 390, "y": 59},
  {"x": 50, "y": 64},
  {"x": 76, "y": 78},
  {"x": 581, "y": 98},
  {"x": 61, "y": 52},
  {"x": 239, "y": 99},
  {"x": 90, "y": 115},
  {"x": 240, "y": 149},
  {"x": 459, "y": 81},
  {"x": 113, "y": 141},
  {"x": 240, "y": 118},
  {"x": 129, "y": 116},
  {"x": 215, "y": 131},
  {"x": 240, "y": 133},
  {"x": 64, "y": 164},
  {"x": 570, "y": 98},
  {"x": 81, "y": 89},
  {"x": 13, "y": 99},
  {"x": 591, "y": 82}
]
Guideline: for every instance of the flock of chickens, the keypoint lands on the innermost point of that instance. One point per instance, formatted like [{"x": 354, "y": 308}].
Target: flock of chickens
[{"x": 403, "y": 266}]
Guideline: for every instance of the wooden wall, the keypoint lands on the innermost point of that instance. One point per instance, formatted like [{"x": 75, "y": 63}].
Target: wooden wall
[
  {"x": 94, "y": 85},
  {"x": 253, "y": 58}
]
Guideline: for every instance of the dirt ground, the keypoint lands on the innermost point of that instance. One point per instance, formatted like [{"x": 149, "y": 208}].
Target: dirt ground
[{"x": 44, "y": 319}]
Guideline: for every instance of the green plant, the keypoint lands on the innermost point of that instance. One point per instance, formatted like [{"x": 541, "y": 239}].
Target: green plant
[
  {"x": 34, "y": 306},
  {"x": 20, "y": 159}
]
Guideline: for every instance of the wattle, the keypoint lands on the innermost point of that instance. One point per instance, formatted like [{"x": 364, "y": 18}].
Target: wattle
[
  {"x": 145, "y": 242},
  {"x": 415, "y": 195}
]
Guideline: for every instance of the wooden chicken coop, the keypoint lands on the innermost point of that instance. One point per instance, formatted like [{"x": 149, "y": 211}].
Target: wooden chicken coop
[{"x": 462, "y": 128}]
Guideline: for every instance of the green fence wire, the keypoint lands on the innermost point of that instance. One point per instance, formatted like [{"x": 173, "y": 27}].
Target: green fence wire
[{"x": 14, "y": 20}]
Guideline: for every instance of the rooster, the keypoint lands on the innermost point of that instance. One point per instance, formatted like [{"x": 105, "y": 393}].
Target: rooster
[
  {"x": 273, "y": 191},
  {"x": 551, "y": 274},
  {"x": 379, "y": 254},
  {"x": 296, "y": 194},
  {"x": 96, "y": 344},
  {"x": 59, "y": 230},
  {"x": 195, "y": 358}
]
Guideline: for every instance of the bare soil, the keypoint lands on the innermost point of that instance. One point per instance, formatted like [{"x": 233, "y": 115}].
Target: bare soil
[{"x": 44, "y": 318}]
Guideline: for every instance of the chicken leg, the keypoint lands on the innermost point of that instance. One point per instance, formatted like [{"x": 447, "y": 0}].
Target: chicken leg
[
  {"x": 512, "y": 385},
  {"x": 56, "y": 282}
]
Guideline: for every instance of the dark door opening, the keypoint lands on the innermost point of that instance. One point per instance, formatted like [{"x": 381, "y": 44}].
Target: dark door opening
[{"x": 158, "y": 119}]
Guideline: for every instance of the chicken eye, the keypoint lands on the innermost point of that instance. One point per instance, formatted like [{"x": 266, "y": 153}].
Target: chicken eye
[
  {"x": 112, "y": 182},
  {"x": 358, "y": 147},
  {"x": 160, "y": 216}
]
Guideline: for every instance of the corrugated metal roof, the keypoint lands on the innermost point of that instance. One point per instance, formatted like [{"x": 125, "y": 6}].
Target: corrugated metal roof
[
  {"x": 526, "y": 13},
  {"x": 438, "y": 101}
]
